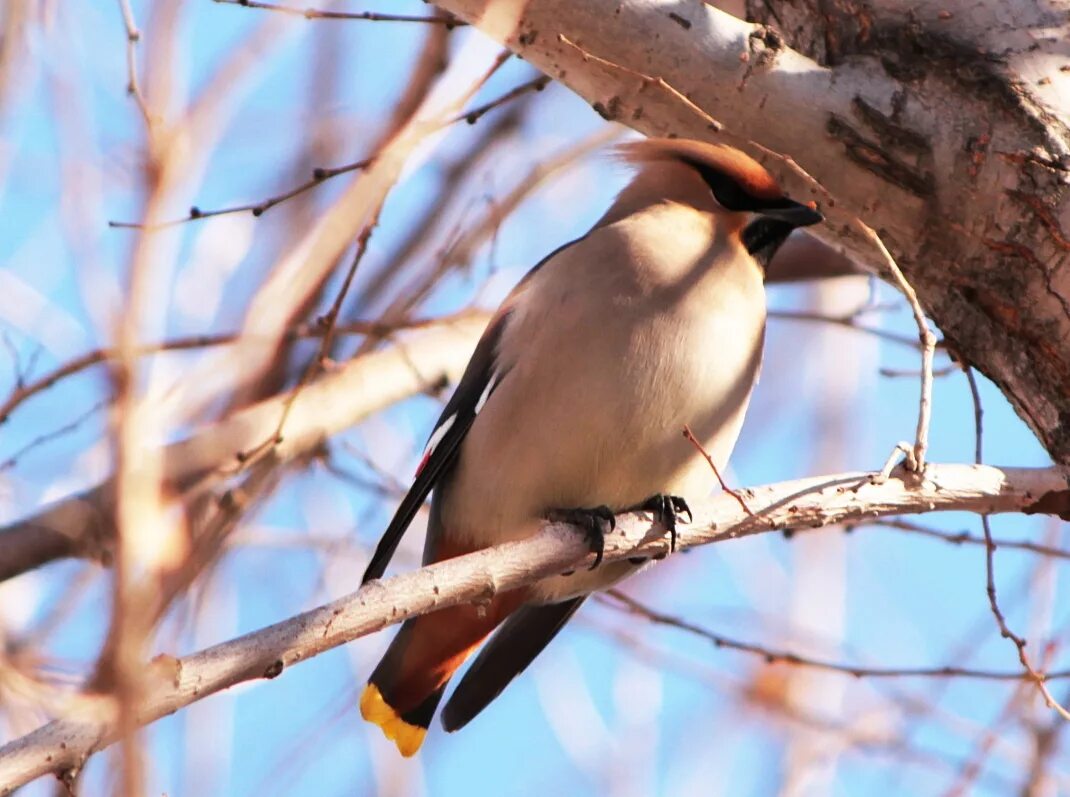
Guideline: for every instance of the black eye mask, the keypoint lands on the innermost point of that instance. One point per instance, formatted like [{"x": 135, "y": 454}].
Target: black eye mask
[
  {"x": 725, "y": 190},
  {"x": 732, "y": 196}
]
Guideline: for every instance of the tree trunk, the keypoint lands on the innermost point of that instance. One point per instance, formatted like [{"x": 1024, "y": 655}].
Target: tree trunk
[{"x": 944, "y": 126}]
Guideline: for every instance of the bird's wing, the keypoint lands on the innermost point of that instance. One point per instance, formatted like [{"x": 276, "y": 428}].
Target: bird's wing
[
  {"x": 481, "y": 377},
  {"x": 485, "y": 371}
]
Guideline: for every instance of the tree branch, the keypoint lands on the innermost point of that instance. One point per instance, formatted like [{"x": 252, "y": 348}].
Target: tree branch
[
  {"x": 84, "y": 524},
  {"x": 65, "y": 744}
]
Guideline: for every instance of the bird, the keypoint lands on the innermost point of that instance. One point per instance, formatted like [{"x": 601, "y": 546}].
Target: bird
[{"x": 572, "y": 407}]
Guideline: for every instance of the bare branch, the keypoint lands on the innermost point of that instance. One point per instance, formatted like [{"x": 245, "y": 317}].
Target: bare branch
[
  {"x": 83, "y": 525},
  {"x": 849, "y": 322},
  {"x": 41, "y": 439},
  {"x": 690, "y": 436},
  {"x": 928, "y": 347},
  {"x": 256, "y": 208},
  {"x": 474, "y": 115},
  {"x": 825, "y": 500},
  {"x": 772, "y": 656},
  {"x": 133, "y": 86},
  {"x": 965, "y": 538},
  {"x": 322, "y": 174},
  {"x": 990, "y": 565},
  {"x": 80, "y": 363}
]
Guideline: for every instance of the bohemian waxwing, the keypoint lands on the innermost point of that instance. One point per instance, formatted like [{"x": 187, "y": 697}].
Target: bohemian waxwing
[{"x": 573, "y": 404}]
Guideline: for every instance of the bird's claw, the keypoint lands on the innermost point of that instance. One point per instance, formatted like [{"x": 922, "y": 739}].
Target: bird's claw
[
  {"x": 592, "y": 522},
  {"x": 667, "y": 509}
]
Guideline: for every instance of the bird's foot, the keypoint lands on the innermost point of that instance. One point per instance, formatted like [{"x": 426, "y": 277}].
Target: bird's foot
[
  {"x": 667, "y": 510},
  {"x": 596, "y": 522}
]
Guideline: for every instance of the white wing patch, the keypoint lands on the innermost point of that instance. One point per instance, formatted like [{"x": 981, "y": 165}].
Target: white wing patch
[
  {"x": 438, "y": 434},
  {"x": 447, "y": 423},
  {"x": 493, "y": 383}
]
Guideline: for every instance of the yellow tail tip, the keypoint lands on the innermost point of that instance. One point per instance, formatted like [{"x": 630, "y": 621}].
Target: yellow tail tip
[{"x": 375, "y": 709}]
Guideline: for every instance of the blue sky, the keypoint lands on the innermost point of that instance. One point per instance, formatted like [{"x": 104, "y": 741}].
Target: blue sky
[{"x": 616, "y": 705}]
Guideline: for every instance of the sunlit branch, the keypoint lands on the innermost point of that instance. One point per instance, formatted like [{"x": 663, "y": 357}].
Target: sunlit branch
[{"x": 556, "y": 548}]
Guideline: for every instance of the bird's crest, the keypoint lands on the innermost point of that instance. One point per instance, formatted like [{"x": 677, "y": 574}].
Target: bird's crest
[{"x": 741, "y": 168}]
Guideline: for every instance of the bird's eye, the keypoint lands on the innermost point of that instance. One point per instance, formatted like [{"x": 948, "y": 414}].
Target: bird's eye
[
  {"x": 732, "y": 196},
  {"x": 726, "y": 190}
]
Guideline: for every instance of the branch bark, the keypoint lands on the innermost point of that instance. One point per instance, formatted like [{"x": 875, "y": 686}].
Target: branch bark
[
  {"x": 84, "y": 524},
  {"x": 945, "y": 127},
  {"x": 64, "y": 745}
]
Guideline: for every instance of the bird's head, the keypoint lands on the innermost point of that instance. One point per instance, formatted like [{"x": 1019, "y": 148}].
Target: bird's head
[{"x": 740, "y": 189}]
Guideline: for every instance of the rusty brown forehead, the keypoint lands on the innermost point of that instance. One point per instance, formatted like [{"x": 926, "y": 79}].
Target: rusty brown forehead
[
  {"x": 750, "y": 175},
  {"x": 746, "y": 171}
]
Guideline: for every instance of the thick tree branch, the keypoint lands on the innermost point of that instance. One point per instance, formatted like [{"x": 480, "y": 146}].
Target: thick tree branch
[
  {"x": 65, "y": 744},
  {"x": 83, "y": 525}
]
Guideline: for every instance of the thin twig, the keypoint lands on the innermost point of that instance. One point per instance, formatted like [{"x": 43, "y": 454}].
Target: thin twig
[
  {"x": 17, "y": 370},
  {"x": 322, "y": 174},
  {"x": 133, "y": 86},
  {"x": 928, "y": 347},
  {"x": 67, "y": 428},
  {"x": 716, "y": 472},
  {"x": 378, "y": 329},
  {"x": 966, "y": 538},
  {"x": 474, "y": 115},
  {"x": 990, "y": 564},
  {"x": 258, "y": 209},
  {"x": 900, "y": 373},
  {"x": 367, "y": 16},
  {"x": 849, "y": 321},
  {"x": 328, "y": 323},
  {"x": 773, "y": 656},
  {"x": 978, "y": 417}
]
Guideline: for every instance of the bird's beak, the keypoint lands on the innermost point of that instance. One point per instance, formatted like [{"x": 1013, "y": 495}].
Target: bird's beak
[{"x": 794, "y": 213}]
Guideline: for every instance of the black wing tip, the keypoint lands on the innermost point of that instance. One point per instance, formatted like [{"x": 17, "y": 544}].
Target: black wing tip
[
  {"x": 380, "y": 559},
  {"x": 508, "y": 653},
  {"x": 456, "y": 714},
  {"x": 370, "y": 575},
  {"x": 450, "y": 723}
]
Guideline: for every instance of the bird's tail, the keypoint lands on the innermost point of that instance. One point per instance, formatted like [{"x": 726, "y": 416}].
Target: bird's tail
[
  {"x": 515, "y": 645},
  {"x": 405, "y": 689}
]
